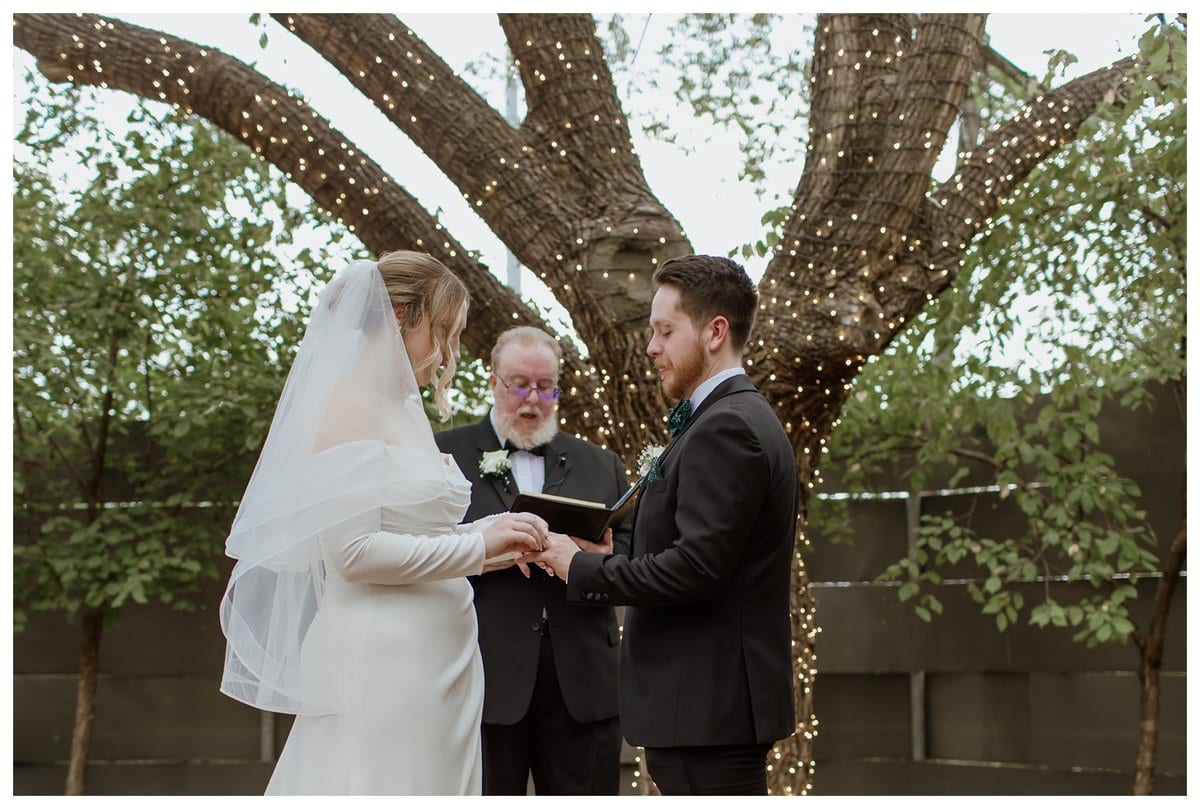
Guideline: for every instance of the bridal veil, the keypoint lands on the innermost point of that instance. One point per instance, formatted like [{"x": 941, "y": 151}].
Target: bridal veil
[{"x": 351, "y": 387}]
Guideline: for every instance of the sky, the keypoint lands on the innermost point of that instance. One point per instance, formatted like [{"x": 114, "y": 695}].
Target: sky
[{"x": 718, "y": 211}]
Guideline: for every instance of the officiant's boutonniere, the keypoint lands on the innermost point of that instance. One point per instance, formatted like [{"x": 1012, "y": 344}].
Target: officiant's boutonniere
[
  {"x": 495, "y": 463},
  {"x": 648, "y": 463}
]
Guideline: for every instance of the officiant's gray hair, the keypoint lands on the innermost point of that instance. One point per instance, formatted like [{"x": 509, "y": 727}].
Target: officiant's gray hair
[{"x": 528, "y": 336}]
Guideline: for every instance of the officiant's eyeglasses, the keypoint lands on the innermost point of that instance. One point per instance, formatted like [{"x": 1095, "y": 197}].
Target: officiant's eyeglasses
[{"x": 522, "y": 391}]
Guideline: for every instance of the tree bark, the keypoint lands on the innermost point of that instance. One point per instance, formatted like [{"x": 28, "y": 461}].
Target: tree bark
[
  {"x": 85, "y": 700},
  {"x": 564, "y": 191},
  {"x": 1151, "y": 648}
]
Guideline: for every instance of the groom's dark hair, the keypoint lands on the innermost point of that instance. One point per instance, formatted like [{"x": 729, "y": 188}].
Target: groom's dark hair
[{"x": 710, "y": 286}]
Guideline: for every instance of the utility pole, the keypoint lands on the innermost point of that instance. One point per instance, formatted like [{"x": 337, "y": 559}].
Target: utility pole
[{"x": 510, "y": 114}]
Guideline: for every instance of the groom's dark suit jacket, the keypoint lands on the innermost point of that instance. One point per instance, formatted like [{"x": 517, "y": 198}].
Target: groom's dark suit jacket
[
  {"x": 509, "y": 606},
  {"x": 706, "y": 657}
]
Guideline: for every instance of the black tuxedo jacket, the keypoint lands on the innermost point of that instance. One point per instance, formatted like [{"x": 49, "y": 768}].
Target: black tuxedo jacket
[
  {"x": 706, "y": 657},
  {"x": 509, "y": 606}
]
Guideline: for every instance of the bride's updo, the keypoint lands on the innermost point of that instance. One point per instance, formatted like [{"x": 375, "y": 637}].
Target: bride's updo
[{"x": 421, "y": 284}]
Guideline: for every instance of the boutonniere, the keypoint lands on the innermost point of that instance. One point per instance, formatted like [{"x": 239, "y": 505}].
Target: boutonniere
[
  {"x": 495, "y": 463},
  {"x": 648, "y": 462}
]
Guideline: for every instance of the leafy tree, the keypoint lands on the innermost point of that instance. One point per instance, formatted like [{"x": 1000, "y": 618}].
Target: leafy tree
[
  {"x": 470, "y": 396},
  {"x": 155, "y": 313},
  {"x": 1083, "y": 274},
  {"x": 863, "y": 249}
]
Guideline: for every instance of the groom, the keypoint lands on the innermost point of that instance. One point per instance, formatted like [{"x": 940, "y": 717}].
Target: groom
[
  {"x": 706, "y": 659},
  {"x": 550, "y": 670}
]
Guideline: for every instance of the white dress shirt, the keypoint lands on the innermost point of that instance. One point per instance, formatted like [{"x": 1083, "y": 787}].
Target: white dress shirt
[
  {"x": 529, "y": 470},
  {"x": 709, "y": 385}
]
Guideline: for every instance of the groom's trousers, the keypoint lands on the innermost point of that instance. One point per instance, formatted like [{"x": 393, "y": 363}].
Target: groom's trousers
[
  {"x": 735, "y": 769},
  {"x": 565, "y": 757}
]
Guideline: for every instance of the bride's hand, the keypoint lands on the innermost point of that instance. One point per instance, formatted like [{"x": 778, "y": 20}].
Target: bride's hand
[
  {"x": 505, "y": 564},
  {"x": 515, "y": 532}
]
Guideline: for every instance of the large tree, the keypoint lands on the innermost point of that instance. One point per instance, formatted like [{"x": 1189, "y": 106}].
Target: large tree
[{"x": 869, "y": 241}]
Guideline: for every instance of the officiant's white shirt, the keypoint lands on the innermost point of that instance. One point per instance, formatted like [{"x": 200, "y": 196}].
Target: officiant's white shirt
[{"x": 529, "y": 470}]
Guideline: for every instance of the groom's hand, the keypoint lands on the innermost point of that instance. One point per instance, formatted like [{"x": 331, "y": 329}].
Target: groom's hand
[
  {"x": 604, "y": 546},
  {"x": 556, "y": 558}
]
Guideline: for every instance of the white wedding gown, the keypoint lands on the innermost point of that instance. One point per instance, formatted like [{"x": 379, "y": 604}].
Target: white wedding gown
[{"x": 398, "y": 626}]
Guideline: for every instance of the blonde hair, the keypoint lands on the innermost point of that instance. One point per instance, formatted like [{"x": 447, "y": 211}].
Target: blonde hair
[
  {"x": 528, "y": 336},
  {"x": 420, "y": 285}
]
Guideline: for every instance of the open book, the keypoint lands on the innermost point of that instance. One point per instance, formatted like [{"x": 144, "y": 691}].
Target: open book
[{"x": 578, "y": 518}]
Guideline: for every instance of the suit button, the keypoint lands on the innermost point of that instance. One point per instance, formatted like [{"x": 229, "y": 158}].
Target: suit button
[{"x": 536, "y": 626}]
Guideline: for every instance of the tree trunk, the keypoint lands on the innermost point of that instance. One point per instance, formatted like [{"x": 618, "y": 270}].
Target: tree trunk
[
  {"x": 1143, "y": 774},
  {"x": 1151, "y": 662},
  {"x": 85, "y": 700}
]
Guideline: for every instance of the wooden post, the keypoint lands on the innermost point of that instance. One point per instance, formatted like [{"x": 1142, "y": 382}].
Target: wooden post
[{"x": 916, "y": 679}]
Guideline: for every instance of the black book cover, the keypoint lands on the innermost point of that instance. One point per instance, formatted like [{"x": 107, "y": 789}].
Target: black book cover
[{"x": 578, "y": 518}]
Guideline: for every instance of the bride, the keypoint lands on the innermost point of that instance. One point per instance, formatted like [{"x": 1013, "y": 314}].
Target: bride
[{"x": 348, "y": 605}]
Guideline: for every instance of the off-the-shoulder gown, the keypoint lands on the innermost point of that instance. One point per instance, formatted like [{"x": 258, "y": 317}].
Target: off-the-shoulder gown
[{"x": 396, "y": 632}]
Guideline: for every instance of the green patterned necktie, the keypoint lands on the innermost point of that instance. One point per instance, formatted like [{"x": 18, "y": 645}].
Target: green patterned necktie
[{"x": 680, "y": 413}]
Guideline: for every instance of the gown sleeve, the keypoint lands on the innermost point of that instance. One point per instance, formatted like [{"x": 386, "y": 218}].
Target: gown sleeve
[
  {"x": 385, "y": 558},
  {"x": 382, "y": 557}
]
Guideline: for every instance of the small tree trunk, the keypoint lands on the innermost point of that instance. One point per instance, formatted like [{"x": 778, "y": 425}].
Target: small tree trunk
[
  {"x": 85, "y": 700},
  {"x": 1151, "y": 661},
  {"x": 1143, "y": 774}
]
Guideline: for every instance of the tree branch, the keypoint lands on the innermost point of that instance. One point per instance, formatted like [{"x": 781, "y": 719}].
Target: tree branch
[
  {"x": 975, "y": 455},
  {"x": 1152, "y": 646},
  {"x": 565, "y": 194},
  {"x": 54, "y": 448},
  {"x": 495, "y": 168},
  {"x": 1015, "y": 75},
  {"x": 281, "y": 128},
  {"x": 989, "y": 175},
  {"x": 574, "y": 114}
]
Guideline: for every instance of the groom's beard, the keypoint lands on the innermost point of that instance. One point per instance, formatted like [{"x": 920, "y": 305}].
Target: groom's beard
[
  {"x": 510, "y": 429},
  {"x": 687, "y": 374}
]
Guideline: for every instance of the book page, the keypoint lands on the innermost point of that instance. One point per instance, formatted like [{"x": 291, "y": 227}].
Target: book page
[{"x": 571, "y": 500}]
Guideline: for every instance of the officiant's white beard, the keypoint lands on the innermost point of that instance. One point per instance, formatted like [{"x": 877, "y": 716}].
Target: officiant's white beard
[{"x": 510, "y": 429}]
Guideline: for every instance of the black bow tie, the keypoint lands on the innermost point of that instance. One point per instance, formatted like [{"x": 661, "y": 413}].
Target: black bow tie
[{"x": 538, "y": 450}]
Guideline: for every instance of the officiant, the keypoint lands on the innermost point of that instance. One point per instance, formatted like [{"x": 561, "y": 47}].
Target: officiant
[{"x": 550, "y": 670}]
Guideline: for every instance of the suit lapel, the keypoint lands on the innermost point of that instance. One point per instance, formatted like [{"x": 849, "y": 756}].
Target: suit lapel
[
  {"x": 735, "y": 384},
  {"x": 557, "y": 465},
  {"x": 505, "y": 485}
]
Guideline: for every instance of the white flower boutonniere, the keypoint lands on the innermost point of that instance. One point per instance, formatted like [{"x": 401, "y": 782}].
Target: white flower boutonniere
[
  {"x": 495, "y": 463},
  {"x": 647, "y": 460}
]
